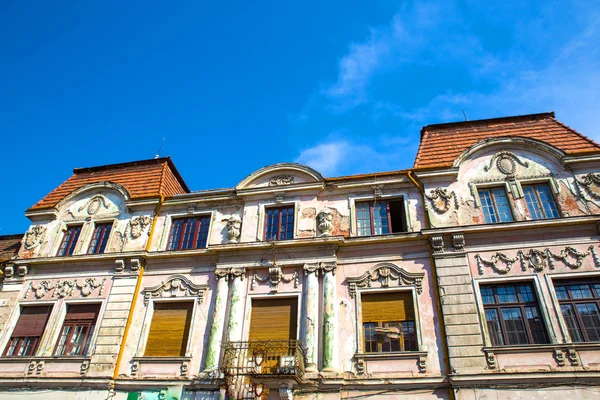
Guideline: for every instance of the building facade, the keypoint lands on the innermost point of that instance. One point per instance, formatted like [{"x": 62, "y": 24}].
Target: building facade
[{"x": 473, "y": 275}]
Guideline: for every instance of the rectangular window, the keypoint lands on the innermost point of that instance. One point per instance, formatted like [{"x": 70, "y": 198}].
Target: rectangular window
[
  {"x": 169, "y": 330},
  {"x": 540, "y": 202},
  {"x": 380, "y": 217},
  {"x": 189, "y": 233},
  {"x": 279, "y": 223},
  {"x": 28, "y": 331},
  {"x": 512, "y": 314},
  {"x": 69, "y": 241},
  {"x": 77, "y": 330},
  {"x": 580, "y": 304},
  {"x": 494, "y": 203},
  {"x": 100, "y": 238},
  {"x": 388, "y": 322}
]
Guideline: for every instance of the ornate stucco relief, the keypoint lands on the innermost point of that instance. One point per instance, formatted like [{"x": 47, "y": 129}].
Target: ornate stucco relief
[
  {"x": 506, "y": 162},
  {"x": 66, "y": 288},
  {"x": 275, "y": 277},
  {"x": 281, "y": 180},
  {"x": 325, "y": 221},
  {"x": 535, "y": 259},
  {"x": 590, "y": 184},
  {"x": 384, "y": 274},
  {"x": 134, "y": 230},
  {"x": 174, "y": 286},
  {"x": 34, "y": 236},
  {"x": 440, "y": 200},
  {"x": 234, "y": 228}
]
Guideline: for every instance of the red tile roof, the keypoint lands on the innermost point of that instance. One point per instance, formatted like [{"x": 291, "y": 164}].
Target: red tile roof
[
  {"x": 442, "y": 143},
  {"x": 146, "y": 178},
  {"x": 9, "y": 246}
]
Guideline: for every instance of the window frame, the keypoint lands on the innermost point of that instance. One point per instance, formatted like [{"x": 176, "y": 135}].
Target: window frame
[
  {"x": 14, "y": 320},
  {"x": 280, "y": 216},
  {"x": 74, "y": 244},
  {"x": 403, "y": 196},
  {"x": 360, "y": 331},
  {"x": 509, "y": 201},
  {"x": 145, "y": 332},
  {"x": 169, "y": 231},
  {"x": 261, "y": 212},
  {"x": 588, "y": 280},
  {"x": 111, "y": 225},
  {"x": 551, "y": 191},
  {"x": 541, "y": 305},
  {"x": 91, "y": 334}
]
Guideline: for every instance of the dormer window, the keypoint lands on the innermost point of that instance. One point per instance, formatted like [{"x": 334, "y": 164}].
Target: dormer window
[
  {"x": 189, "y": 233},
  {"x": 100, "y": 238},
  {"x": 380, "y": 217},
  {"x": 69, "y": 240},
  {"x": 540, "y": 202}
]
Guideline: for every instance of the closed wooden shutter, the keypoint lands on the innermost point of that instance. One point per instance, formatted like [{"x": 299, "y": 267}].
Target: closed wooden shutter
[
  {"x": 274, "y": 319},
  {"x": 32, "y": 321},
  {"x": 169, "y": 330},
  {"x": 82, "y": 312},
  {"x": 394, "y": 306}
]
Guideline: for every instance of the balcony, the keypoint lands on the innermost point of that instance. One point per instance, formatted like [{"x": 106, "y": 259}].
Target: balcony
[{"x": 264, "y": 360}]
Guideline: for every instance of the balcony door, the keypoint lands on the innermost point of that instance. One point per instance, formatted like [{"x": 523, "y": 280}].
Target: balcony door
[{"x": 273, "y": 324}]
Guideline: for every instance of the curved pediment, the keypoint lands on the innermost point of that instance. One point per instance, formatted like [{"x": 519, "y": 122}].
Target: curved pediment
[
  {"x": 282, "y": 174},
  {"x": 502, "y": 143},
  {"x": 98, "y": 200}
]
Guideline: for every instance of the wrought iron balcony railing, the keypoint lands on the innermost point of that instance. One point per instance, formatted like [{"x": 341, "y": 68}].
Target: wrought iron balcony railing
[{"x": 264, "y": 359}]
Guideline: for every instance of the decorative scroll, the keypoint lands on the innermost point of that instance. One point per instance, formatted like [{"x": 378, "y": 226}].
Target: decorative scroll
[
  {"x": 275, "y": 277},
  {"x": 506, "y": 162},
  {"x": 94, "y": 204},
  {"x": 176, "y": 285},
  {"x": 281, "y": 180},
  {"x": 384, "y": 273},
  {"x": 538, "y": 260},
  {"x": 440, "y": 200},
  {"x": 67, "y": 287}
]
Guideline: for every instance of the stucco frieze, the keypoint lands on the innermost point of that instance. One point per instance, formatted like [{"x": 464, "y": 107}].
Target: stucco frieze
[
  {"x": 439, "y": 200},
  {"x": 176, "y": 285},
  {"x": 538, "y": 260},
  {"x": 66, "y": 288},
  {"x": 275, "y": 277},
  {"x": 384, "y": 274}
]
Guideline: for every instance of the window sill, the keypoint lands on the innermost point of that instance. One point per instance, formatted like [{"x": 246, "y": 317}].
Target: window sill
[
  {"x": 161, "y": 359},
  {"x": 45, "y": 358},
  {"x": 392, "y": 355},
  {"x": 534, "y": 348}
]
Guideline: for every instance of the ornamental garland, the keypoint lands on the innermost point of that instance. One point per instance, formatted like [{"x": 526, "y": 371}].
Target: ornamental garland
[{"x": 537, "y": 260}]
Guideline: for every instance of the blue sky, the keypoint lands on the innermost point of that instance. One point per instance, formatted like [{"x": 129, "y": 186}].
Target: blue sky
[{"x": 233, "y": 86}]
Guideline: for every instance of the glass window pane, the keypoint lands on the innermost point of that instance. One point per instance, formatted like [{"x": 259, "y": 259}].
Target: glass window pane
[
  {"x": 507, "y": 294},
  {"x": 547, "y": 201},
  {"x": 562, "y": 293},
  {"x": 502, "y": 206},
  {"x": 493, "y": 325},
  {"x": 580, "y": 291},
  {"x": 487, "y": 206},
  {"x": 526, "y": 292},
  {"x": 532, "y": 203},
  {"x": 571, "y": 321},
  {"x": 536, "y": 325},
  {"x": 487, "y": 295},
  {"x": 591, "y": 320},
  {"x": 515, "y": 326}
]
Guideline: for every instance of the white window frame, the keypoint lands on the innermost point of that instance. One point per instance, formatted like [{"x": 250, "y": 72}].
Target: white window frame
[
  {"x": 261, "y": 211},
  {"x": 404, "y": 195},
  {"x": 14, "y": 318},
  {"x": 169, "y": 223}
]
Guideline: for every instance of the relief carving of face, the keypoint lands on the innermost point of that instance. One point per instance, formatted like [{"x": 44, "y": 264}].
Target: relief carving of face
[
  {"x": 138, "y": 224},
  {"x": 234, "y": 225},
  {"x": 34, "y": 236},
  {"x": 325, "y": 221}
]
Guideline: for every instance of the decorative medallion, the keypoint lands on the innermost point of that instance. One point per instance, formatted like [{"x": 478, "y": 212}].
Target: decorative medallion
[
  {"x": 34, "y": 236},
  {"x": 591, "y": 184},
  {"x": 384, "y": 273},
  {"x": 538, "y": 260},
  {"x": 506, "y": 162},
  {"x": 281, "y": 180},
  {"x": 94, "y": 204},
  {"x": 440, "y": 200}
]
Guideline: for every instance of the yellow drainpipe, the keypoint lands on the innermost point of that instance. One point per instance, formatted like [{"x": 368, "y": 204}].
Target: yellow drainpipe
[
  {"x": 137, "y": 289},
  {"x": 435, "y": 278}
]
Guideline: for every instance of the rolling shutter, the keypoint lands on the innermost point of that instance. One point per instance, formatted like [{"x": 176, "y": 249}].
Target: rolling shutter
[
  {"x": 82, "y": 312},
  {"x": 169, "y": 330},
  {"x": 274, "y": 319},
  {"x": 32, "y": 321},
  {"x": 394, "y": 306}
]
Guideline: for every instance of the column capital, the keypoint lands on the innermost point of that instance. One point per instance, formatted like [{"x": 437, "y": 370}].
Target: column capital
[
  {"x": 320, "y": 268},
  {"x": 230, "y": 273}
]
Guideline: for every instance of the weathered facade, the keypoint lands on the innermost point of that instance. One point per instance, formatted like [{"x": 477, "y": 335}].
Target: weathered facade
[{"x": 474, "y": 274}]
